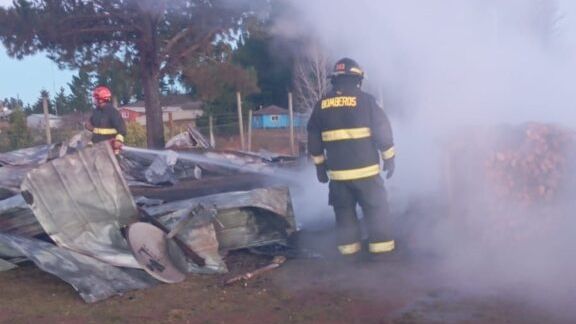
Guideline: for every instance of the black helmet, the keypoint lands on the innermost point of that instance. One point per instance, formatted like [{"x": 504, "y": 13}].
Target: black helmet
[{"x": 347, "y": 66}]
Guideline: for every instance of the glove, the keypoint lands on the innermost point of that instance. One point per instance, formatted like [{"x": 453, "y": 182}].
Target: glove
[
  {"x": 88, "y": 126},
  {"x": 116, "y": 145},
  {"x": 321, "y": 173},
  {"x": 389, "y": 166}
]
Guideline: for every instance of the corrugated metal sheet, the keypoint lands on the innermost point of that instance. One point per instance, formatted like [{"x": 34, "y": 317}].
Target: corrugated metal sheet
[
  {"x": 16, "y": 217},
  {"x": 82, "y": 201},
  {"x": 245, "y": 218},
  {"x": 93, "y": 279}
]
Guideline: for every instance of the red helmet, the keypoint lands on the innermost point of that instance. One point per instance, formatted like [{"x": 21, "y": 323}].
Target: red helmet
[{"x": 102, "y": 94}]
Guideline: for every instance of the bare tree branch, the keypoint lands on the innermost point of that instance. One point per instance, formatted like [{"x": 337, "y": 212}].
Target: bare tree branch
[
  {"x": 173, "y": 59},
  {"x": 174, "y": 40},
  {"x": 310, "y": 78},
  {"x": 205, "y": 40}
]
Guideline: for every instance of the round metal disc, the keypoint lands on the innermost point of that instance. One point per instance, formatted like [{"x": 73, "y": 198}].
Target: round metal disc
[{"x": 149, "y": 247}]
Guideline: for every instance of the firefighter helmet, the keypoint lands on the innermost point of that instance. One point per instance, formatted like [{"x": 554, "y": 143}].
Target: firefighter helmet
[
  {"x": 102, "y": 94},
  {"x": 347, "y": 66}
]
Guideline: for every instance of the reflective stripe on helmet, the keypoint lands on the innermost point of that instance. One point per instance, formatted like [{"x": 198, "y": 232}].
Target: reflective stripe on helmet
[{"x": 357, "y": 71}]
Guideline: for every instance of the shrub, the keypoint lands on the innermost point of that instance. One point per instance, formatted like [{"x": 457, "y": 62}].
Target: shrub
[{"x": 135, "y": 135}]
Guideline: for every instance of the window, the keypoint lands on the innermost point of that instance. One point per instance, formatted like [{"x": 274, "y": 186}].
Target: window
[
  {"x": 125, "y": 114},
  {"x": 274, "y": 118}
]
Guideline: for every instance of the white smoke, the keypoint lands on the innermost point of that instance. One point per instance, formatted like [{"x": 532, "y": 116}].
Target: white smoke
[
  {"x": 5, "y": 3},
  {"x": 446, "y": 65}
]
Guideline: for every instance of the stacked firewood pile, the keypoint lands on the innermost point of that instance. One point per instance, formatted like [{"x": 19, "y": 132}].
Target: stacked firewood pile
[{"x": 529, "y": 163}]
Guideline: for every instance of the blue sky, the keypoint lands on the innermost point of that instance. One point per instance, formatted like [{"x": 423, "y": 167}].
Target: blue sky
[{"x": 27, "y": 77}]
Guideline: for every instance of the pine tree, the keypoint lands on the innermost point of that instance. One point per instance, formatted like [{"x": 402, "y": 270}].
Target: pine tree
[
  {"x": 80, "y": 87},
  {"x": 61, "y": 103},
  {"x": 12, "y": 103},
  {"x": 38, "y": 108}
]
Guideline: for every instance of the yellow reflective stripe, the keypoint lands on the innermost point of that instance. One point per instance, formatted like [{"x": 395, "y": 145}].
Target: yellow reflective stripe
[
  {"x": 356, "y": 70},
  {"x": 382, "y": 247},
  {"x": 346, "y": 134},
  {"x": 318, "y": 159},
  {"x": 105, "y": 131},
  {"x": 349, "y": 248},
  {"x": 389, "y": 153},
  {"x": 354, "y": 174},
  {"x": 120, "y": 138}
]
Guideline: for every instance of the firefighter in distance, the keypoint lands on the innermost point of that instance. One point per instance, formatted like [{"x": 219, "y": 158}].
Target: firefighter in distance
[{"x": 106, "y": 124}]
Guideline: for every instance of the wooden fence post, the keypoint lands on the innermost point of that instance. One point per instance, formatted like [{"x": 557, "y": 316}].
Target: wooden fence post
[
  {"x": 291, "y": 116},
  {"x": 211, "y": 130},
  {"x": 46, "y": 120},
  {"x": 250, "y": 130},
  {"x": 240, "y": 119}
]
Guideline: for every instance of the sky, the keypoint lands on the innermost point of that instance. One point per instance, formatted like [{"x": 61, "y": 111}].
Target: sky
[{"x": 26, "y": 78}]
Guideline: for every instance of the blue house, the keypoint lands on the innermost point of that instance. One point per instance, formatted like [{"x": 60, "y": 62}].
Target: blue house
[{"x": 275, "y": 117}]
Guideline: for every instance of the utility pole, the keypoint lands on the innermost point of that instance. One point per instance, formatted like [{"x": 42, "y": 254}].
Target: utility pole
[
  {"x": 240, "y": 119},
  {"x": 291, "y": 116},
  {"x": 46, "y": 120}
]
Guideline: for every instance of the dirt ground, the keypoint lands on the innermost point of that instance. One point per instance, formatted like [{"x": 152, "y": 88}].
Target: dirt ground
[{"x": 403, "y": 289}]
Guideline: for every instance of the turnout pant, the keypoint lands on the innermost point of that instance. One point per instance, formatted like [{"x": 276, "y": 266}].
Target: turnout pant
[{"x": 370, "y": 194}]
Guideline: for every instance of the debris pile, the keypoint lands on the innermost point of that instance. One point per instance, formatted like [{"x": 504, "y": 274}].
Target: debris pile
[
  {"x": 187, "y": 215},
  {"x": 530, "y": 162},
  {"x": 514, "y": 181}
]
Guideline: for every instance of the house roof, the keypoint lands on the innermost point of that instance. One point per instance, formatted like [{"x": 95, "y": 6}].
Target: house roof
[
  {"x": 42, "y": 116},
  {"x": 180, "y": 101},
  {"x": 142, "y": 110},
  {"x": 5, "y": 112},
  {"x": 272, "y": 110}
]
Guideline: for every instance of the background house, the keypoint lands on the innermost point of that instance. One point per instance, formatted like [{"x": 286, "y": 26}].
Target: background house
[
  {"x": 37, "y": 121},
  {"x": 175, "y": 109},
  {"x": 276, "y": 117},
  {"x": 5, "y": 113}
]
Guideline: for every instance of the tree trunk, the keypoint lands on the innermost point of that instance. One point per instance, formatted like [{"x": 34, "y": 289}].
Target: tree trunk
[
  {"x": 154, "y": 124},
  {"x": 150, "y": 70}
]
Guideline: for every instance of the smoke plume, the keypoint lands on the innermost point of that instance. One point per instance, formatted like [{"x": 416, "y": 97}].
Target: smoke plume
[{"x": 442, "y": 69}]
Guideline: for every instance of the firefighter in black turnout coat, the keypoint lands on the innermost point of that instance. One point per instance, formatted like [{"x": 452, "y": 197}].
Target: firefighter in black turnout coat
[
  {"x": 106, "y": 122},
  {"x": 348, "y": 134}
]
